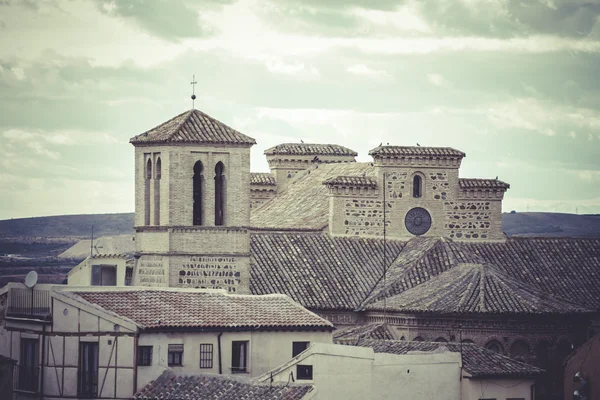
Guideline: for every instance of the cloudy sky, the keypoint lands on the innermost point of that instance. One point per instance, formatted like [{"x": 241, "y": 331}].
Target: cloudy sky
[{"x": 513, "y": 83}]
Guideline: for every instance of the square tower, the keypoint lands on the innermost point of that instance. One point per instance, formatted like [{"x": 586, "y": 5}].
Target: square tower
[{"x": 192, "y": 204}]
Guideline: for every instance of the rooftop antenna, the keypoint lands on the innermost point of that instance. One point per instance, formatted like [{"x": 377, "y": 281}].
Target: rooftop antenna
[
  {"x": 193, "y": 83},
  {"x": 92, "y": 242}
]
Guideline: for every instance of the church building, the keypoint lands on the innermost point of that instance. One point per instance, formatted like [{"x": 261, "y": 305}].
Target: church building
[{"x": 403, "y": 241}]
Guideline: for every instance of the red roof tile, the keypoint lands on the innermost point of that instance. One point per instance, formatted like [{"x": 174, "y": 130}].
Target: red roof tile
[
  {"x": 351, "y": 181},
  {"x": 473, "y": 183},
  {"x": 412, "y": 151},
  {"x": 193, "y": 127},
  {"x": 156, "y": 309},
  {"x": 310, "y": 149},
  {"x": 214, "y": 387},
  {"x": 262, "y": 178}
]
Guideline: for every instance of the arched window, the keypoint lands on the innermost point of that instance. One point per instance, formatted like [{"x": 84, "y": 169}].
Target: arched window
[
  {"x": 494, "y": 346},
  {"x": 147, "y": 192},
  {"x": 220, "y": 193},
  {"x": 467, "y": 341},
  {"x": 157, "y": 173},
  {"x": 418, "y": 339},
  {"x": 198, "y": 193},
  {"x": 441, "y": 340},
  {"x": 417, "y": 186},
  {"x": 519, "y": 349}
]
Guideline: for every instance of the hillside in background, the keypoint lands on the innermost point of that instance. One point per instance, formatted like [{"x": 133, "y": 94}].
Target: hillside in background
[
  {"x": 69, "y": 225},
  {"x": 551, "y": 224}
]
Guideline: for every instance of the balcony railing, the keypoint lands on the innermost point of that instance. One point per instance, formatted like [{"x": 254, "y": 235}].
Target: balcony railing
[
  {"x": 26, "y": 378},
  {"x": 28, "y": 303}
]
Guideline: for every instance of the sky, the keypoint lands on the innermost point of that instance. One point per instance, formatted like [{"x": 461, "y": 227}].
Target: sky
[{"x": 513, "y": 84}]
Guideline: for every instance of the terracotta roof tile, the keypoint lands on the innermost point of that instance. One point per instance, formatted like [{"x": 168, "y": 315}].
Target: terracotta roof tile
[
  {"x": 310, "y": 149},
  {"x": 262, "y": 178},
  {"x": 156, "y": 309},
  {"x": 305, "y": 203},
  {"x": 476, "y": 288},
  {"x": 214, "y": 387},
  {"x": 477, "y": 361},
  {"x": 317, "y": 270},
  {"x": 351, "y": 181},
  {"x": 416, "y": 151},
  {"x": 473, "y": 183},
  {"x": 193, "y": 127},
  {"x": 356, "y": 334}
]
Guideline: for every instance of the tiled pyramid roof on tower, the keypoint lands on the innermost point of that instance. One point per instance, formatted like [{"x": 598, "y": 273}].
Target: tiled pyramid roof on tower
[
  {"x": 262, "y": 178},
  {"x": 310, "y": 149},
  {"x": 193, "y": 127}
]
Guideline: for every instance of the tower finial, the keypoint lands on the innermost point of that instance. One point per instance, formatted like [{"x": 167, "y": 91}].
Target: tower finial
[{"x": 193, "y": 83}]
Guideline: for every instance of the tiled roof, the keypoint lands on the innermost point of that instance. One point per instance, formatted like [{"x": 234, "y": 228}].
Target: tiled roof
[
  {"x": 348, "y": 181},
  {"x": 473, "y": 183},
  {"x": 476, "y": 288},
  {"x": 406, "y": 151},
  {"x": 564, "y": 267},
  {"x": 356, "y": 334},
  {"x": 310, "y": 149},
  {"x": 193, "y": 127},
  {"x": 305, "y": 203},
  {"x": 317, "y": 270},
  {"x": 477, "y": 361},
  {"x": 262, "y": 178},
  {"x": 324, "y": 272},
  {"x": 217, "y": 387},
  {"x": 157, "y": 309}
]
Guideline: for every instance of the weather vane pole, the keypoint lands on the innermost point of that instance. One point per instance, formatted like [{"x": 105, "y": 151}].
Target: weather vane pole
[{"x": 193, "y": 83}]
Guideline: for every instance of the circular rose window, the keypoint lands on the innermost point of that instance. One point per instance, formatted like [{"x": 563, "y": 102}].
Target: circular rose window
[{"x": 417, "y": 221}]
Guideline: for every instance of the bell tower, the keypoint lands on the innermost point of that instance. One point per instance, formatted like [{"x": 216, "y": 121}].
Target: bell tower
[{"x": 192, "y": 204}]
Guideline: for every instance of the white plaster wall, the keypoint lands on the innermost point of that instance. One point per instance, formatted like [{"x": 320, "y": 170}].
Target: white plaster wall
[
  {"x": 475, "y": 389},
  {"x": 267, "y": 350},
  {"x": 81, "y": 275}
]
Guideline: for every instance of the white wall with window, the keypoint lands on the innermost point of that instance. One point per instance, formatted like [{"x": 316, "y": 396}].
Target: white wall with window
[{"x": 99, "y": 270}]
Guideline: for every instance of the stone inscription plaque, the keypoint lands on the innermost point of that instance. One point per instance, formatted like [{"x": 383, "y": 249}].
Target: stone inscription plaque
[
  {"x": 151, "y": 271},
  {"x": 210, "y": 273}
]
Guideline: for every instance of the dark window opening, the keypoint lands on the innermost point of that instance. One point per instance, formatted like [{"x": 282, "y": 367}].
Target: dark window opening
[
  {"x": 418, "y": 339},
  {"x": 304, "y": 372},
  {"x": 147, "y": 192},
  {"x": 299, "y": 347},
  {"x": 157, "y": 192},
  {"x": 198, "y": 192},
  {"x": 144, "y": 355},
  {"x": 220, "y": 194},
  {"x": 494, "y": 346},
  {"x": 87, "y": 382},
  {"x": 27, "y": 376},
  {"x": 175, "y": 357},
  {"x": 206, "y": 356},
  {"x": 239, "y": 356},
  {"x": 128, "y": 276},
  {"x": 441, "y": 340},
  {"x": 104, "y": 275},
  {"x": 417, "y": 186}
]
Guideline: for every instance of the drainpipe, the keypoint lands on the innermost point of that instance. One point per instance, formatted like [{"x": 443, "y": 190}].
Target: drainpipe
[
  {"x": 219, "y": 347},
  {"x": 42, "y": 364},
  {"x": 136, "y": 339}
]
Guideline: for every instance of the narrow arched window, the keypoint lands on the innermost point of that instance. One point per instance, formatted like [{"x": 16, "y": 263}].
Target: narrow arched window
[
  {"x": 157, "y": 174},
  {"x": 495, "y": 346},
  {"x": 220, "y": 191},
  {"x": 147, "y": 180},
  {"x": 417, "y": 186},
  {"x": 198, "y": 193}
]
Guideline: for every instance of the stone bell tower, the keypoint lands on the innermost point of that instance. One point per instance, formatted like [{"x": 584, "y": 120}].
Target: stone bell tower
[{"x": 192, "y": 204}]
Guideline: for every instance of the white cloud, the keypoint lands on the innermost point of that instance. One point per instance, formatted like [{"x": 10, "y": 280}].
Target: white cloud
[
  {"x": 572, "y": 134},
  {"x": 588, "y": 175},
  {"x": 437, "y": 80},
  {"x": 278, "y": 66},
  {"x": 363, "y": 70},
  {"x": 18, "y": 72},
  {"x": 404, "y": 18}
]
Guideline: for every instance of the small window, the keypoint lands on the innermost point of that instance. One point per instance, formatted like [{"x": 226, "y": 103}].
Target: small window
[
  {"x": 299, "y": 347},
  {"x": 175, "y": 355},
  {"x": 206, "y": 356},
  {"x": 104, "y": 275},
  {"x": 495, "y": 346},
  {"x": 304, "y": 372},
  {"x": 417, "y": 186},
  {"x": 239, "y": 357},
  {"x": 28, "y": 370},
  {"x": 144, "y": 355}
]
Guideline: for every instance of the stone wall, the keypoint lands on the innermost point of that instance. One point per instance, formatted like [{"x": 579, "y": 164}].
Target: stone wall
[
  {"x": 473, "y": 220},
  {"x": 261, "y": 194},
  {"x": 210, "y": 272}
]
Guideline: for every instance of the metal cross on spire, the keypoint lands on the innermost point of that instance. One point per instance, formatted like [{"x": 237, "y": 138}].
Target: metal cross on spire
[{"x": 193, "y": 83}]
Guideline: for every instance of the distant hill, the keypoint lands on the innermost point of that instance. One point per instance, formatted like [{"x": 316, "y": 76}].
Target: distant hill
[
  {"x": 551, "y": 224},
  {"x": 69, "y": 225},
  {"x": 517, "y": 224}
]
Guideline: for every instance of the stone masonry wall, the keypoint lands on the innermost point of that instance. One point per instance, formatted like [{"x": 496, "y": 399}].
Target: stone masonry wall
[
  {"x": 474, "y": 219},
  {"x": 211, "y": 272}
]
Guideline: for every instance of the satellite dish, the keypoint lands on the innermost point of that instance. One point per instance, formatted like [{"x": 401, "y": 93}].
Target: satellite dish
[{"x": 31, "y": 279}]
